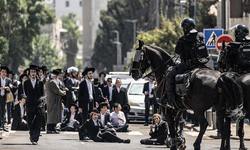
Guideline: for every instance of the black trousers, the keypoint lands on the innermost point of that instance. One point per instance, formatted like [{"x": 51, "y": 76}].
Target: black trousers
[
  {"x": 2, "y": 110},
  {"x": 34, "y": 122},
  {"x": 148, "y": 103},
  {"x": 51, "y": 127},
  {"x": 107, "y": 136}
]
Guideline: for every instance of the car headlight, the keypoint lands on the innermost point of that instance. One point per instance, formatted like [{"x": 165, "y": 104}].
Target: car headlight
[{"x": 133, "y": 103}]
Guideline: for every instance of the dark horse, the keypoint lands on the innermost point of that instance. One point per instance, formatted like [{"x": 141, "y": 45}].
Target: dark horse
[{"x": 204, "y": 93}]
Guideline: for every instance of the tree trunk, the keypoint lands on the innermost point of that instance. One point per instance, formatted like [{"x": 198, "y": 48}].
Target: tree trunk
[{"x": 70, "y": 60}]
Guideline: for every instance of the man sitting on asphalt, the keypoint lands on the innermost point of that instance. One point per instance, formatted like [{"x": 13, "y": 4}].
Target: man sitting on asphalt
[
  {"x": 159, "y": 134},
  {"x": 72, "y": 121},
  {"x": 19, "y": 115},
  {"x": 104, "y": 115},
  {"x": 98, "y": 133},
  {"x": 118, "y": 119}
]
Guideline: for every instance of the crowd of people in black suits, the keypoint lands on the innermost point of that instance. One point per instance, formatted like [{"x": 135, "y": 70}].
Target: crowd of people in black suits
[{"x": 66, "y": 101}]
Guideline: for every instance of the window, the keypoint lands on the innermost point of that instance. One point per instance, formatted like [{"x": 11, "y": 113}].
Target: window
[
  {"x": 80, "y": 3},
  {"x": 67, "y": 3}
]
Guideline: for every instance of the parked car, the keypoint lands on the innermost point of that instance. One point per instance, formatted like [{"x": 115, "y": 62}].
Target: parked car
[
  {"x": 124, "y": 76},
  {"x": 136, "y": 100}
]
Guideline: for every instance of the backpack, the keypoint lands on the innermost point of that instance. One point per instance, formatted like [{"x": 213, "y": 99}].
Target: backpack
[{"x": 201, "y": 52}]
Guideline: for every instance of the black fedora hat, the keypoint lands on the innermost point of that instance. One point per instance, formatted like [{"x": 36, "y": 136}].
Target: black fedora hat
[
  {"x": 60, "y": 70},
  {"x": 87, "y": 69},
  {"x": 21, "y": 76},
  {"x": 5, "y": 68},
  {"x": 55, "y": 72},
  {"x": 33, "y": 67},
  {"x": 45, "y": 68},
  {"x": 102, "y": 73}
]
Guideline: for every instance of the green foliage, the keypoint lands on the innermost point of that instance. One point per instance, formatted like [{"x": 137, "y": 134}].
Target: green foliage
[
  {"x": 205, "y": 20},
  {"x": 72, "y": 36},
  {"x": 4, "y": 47},
  {"x": 113, "y": 19},
  {"x": 166, "y": 37},
  {"x": 44, "y": 53},
  {"x": 20, "y": 22}
]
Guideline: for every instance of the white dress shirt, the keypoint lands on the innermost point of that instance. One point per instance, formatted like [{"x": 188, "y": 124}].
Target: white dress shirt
[
  {"x": 114, "y": 117},
  {"x": 3, "y": 81},
  {"x": 22, "y": 110},
  {"x": 33, "y": 83},
  {"x": 103, "y": 119},
  {"x": 110, "y": 92},
  {"x": 89, "y": 85},
  {"x": 151, "y": 85},
  {"x": 118, "y": 90},
  {"x": 70, "y": 124}
]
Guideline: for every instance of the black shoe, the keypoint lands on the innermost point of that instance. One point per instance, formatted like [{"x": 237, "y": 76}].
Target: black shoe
[
  {"x": 126, "y": 141},
  {"x": 145, "y": 124}
]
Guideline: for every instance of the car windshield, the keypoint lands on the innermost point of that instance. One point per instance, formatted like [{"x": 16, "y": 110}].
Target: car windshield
[{"x": 136, "y": 89}]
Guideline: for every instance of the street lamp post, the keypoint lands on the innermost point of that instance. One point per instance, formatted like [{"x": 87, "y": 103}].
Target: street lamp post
[
  {"x": 118, "y": 47},
  {"x": 134, "y": 22}
]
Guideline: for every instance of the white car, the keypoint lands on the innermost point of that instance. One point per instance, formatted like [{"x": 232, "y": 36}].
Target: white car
[
  {"x": 136, "y": 100},
  {"x": 124, "y": 76}
]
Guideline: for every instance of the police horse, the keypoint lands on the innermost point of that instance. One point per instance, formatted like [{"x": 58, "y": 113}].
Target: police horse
[{"x": 207, "y": 89}]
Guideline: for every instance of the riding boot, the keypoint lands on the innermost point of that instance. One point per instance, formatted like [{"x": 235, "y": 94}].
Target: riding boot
[{"x": 170, "y": 94}]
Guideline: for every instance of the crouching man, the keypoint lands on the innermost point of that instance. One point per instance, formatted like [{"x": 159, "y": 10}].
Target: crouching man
[
  {"x": 98, "y": 133},
  {"x": 159, "y": 134}
]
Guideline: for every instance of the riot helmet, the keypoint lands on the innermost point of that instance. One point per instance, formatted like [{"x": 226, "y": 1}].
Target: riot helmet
[
  {"x": 240, "y": 31},
  {"x": 187, "y": 24}
]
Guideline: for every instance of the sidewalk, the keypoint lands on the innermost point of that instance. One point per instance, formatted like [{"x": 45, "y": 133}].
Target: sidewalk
[{"x": 213, "y": 133}]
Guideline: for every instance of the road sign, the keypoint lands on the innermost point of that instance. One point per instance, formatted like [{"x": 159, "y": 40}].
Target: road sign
[
  {"x": 224, "y": 37},
  {"x": 211, "y": 36},
  {"x": 20, "y": 69}
]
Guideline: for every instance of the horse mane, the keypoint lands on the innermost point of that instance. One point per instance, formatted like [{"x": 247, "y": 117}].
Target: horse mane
[{"x": 162, "y": 53}]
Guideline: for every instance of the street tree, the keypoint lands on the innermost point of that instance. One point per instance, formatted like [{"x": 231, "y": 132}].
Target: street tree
[
  {"x": 113, "y": 18},
  {"x": 20, "y": 22},
  {"x": 44, "y": 53},
  {"x": 72, "y": 36}
]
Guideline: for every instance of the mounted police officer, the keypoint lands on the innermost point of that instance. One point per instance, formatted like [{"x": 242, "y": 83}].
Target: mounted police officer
[
  {"x": 187, "y": 47},
  {"x": 236, "y": 55}
]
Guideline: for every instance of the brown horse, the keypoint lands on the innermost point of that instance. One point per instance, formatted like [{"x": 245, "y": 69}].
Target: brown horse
[{"x": 205, "y": 92}]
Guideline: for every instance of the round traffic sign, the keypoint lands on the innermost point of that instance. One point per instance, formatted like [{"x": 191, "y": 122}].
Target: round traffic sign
[
  {"x": 21, "y": 69},
  {"x": 224, "y": 37}
]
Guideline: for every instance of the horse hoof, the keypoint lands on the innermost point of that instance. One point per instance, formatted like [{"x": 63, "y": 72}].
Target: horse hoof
[{"x": 244, "y": 148}]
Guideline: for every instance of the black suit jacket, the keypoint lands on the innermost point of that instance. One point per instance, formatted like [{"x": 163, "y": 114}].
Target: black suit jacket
[
  {"x": 99, "y": 95},
  {"x": 161, "y": 132},
  {"x": 20, "y": 90},
  {"x": 120, "y": 97},
  {"x": 33, "y": 94},
  {"x": 76, "y": 117},
  {"x": 7, "y": 84},
  {"x": 17, "y": 119},
  {"x": 146, "y": 88},
  {"x": 106, "y": 91},
  {"x": 93, "y": 130},
  {"x": 83, "y": 95}
]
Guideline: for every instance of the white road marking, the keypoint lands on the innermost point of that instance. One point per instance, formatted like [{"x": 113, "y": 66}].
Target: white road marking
[
  {"x": 134, "y": 133},
  {"x": 193, "y": 133}
]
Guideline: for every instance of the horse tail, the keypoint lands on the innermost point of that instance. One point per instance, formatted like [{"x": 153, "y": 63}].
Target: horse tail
[{"x": 232, "y": 93}]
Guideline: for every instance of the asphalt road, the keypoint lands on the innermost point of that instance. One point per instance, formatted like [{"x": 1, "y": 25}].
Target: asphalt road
[{"x": 69, "y": 140}]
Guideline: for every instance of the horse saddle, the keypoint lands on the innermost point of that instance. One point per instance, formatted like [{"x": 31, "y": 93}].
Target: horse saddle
[{"x": 183, "y": 81}]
